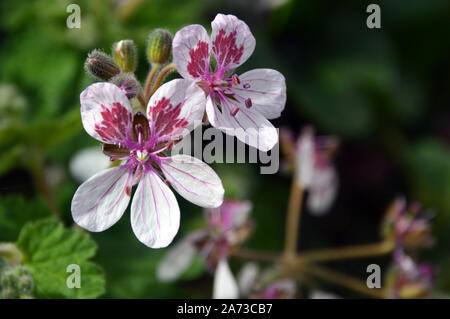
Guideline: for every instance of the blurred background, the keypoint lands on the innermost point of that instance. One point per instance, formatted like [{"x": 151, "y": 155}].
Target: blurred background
[{"x": 384, "y": 92}]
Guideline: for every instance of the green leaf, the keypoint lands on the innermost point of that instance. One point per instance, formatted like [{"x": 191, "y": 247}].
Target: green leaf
[
  {"x": 49, "y": 133},
  {"x": 48, "y": 249},
  {"x": 429, "y": 162},
  {"x": 15, "y": 212},
  {"x": 11, "y": 158}
]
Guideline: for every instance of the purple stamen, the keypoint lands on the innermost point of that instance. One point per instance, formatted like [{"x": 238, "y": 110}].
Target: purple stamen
[
  {"x": 246, "y": 86},
  {"x": 248, "y": 103},
  {"x": 234, "y": 111}
]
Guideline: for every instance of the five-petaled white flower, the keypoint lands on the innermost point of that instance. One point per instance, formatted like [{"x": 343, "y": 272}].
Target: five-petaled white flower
[
  {"x": 237, "y": 105},
  {"x": 140, "y": 141}
]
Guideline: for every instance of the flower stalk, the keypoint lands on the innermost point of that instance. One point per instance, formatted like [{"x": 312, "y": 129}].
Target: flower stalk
[
  {"x": 343, "y": 280},
  {"x": 40, "y": 180},
  {"x": 148, "y": 83},
  {"x": 160, "y": 78},
  {"x": 293, "y": 218},
  {"x": 357, "y": 251}
]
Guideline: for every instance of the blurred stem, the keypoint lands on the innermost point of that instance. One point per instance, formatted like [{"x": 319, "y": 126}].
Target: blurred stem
[
  {"x": 40, "y": 181},
  {"x": 343, "y": 280},
  {"x": 149, "y": 81},
  {"x": 255, "y": 255},
  {"x": 348, "y": 252},
  {"x": 293, "y": 218},
  {"x": 141, "y": 99},
  {"x": 164, "y": 72},
  {"x": 125, "y": 9}
]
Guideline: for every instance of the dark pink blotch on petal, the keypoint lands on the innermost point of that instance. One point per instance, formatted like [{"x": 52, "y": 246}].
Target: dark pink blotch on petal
[
  {"x": 225, "y": 48},
  {"x": 165, "y": 118},
  {"x": 199, "y": 64},
  {"x": 115, "y": 123}
]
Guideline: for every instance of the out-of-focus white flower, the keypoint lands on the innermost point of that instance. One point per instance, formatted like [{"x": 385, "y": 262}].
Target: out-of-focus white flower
[
  {"x": 309, "y": 157},
  {"x": 88, "y": 162},
  {"x": 246, "y": 278},
  {"x": 323, "y": 190},
  {"x": 177, "y": 260},
  {"x": 225, "y": 286},
  {"x": 318, "y": 294},
  {"x": 305, "y": 158},
  {"x": 228, "y": 226}
]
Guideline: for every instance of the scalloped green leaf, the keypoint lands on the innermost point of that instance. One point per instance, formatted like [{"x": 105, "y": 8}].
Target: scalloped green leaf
[{"x": 48, "y": 249}]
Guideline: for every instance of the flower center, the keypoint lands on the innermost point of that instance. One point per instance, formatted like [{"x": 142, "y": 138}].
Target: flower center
[
  {"x": 223, "y": 87},
  {"x": 142, "y": 156}
]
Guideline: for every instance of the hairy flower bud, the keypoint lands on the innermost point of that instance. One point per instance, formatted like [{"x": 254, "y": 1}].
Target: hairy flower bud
[
  {"x": 159, "y": 46},
  {"x": 125, "y": 54},
  {"x": 101, "y": 66},
  {"x": 127, "y": 83},
  {"x": 16, "y": 282}
]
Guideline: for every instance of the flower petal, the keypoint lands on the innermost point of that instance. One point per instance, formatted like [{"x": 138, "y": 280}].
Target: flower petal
[
  {"x": 266, "y": 89},
  {"x": 323, "y": 190},
  {"x": 225, "y": 286},
  {"x": 106, "y": 112},
  {"x": 319, "y": 294},
  {"x": 247, "y": 125},
  {"x": 191, "y": 51},
  {"x": 232, "y": 41},
  {"x": 305, "y": 158},
  {"x": 175, "y": 109},
  {"x": 247, "y": 278},
  {"x": 155, "y": 215},
  {"x": 194, "y": 180},
  {"x": 232, "y": 214},
  {"x": 100, "y": 201},
  {"x": 178, "y": 259}
]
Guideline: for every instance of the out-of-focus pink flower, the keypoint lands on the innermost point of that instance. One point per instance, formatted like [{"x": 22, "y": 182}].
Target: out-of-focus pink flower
[
  {"x": 403, "y": 224},
  {"x": 228, "y": 226},
  {"x": 409, "y": 279},
  {"x": 238, "y": 105},
  {"x": 310, "y": 158},
  {"x": 282, "y": 289}
]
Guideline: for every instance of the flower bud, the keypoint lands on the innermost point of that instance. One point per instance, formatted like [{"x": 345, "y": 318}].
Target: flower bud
[
  {"x": 12, "y": 103},
  {"x": 24, "y": 281},
  {"x": 16, "y": 281},
  {"x": 407, "y": 279},
  {"x": 404, "y": 225},
  {"x": 125, "y": 54},
  {"x": 159, "y": 46},
  {"x": 127, "y": 83},
  {"x": 101, "y": 66}
]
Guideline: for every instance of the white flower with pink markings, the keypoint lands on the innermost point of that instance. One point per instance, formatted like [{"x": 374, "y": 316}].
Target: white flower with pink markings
[
  {"x": 237, "y": 105},
  {"x": 140, "y": 141}
]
